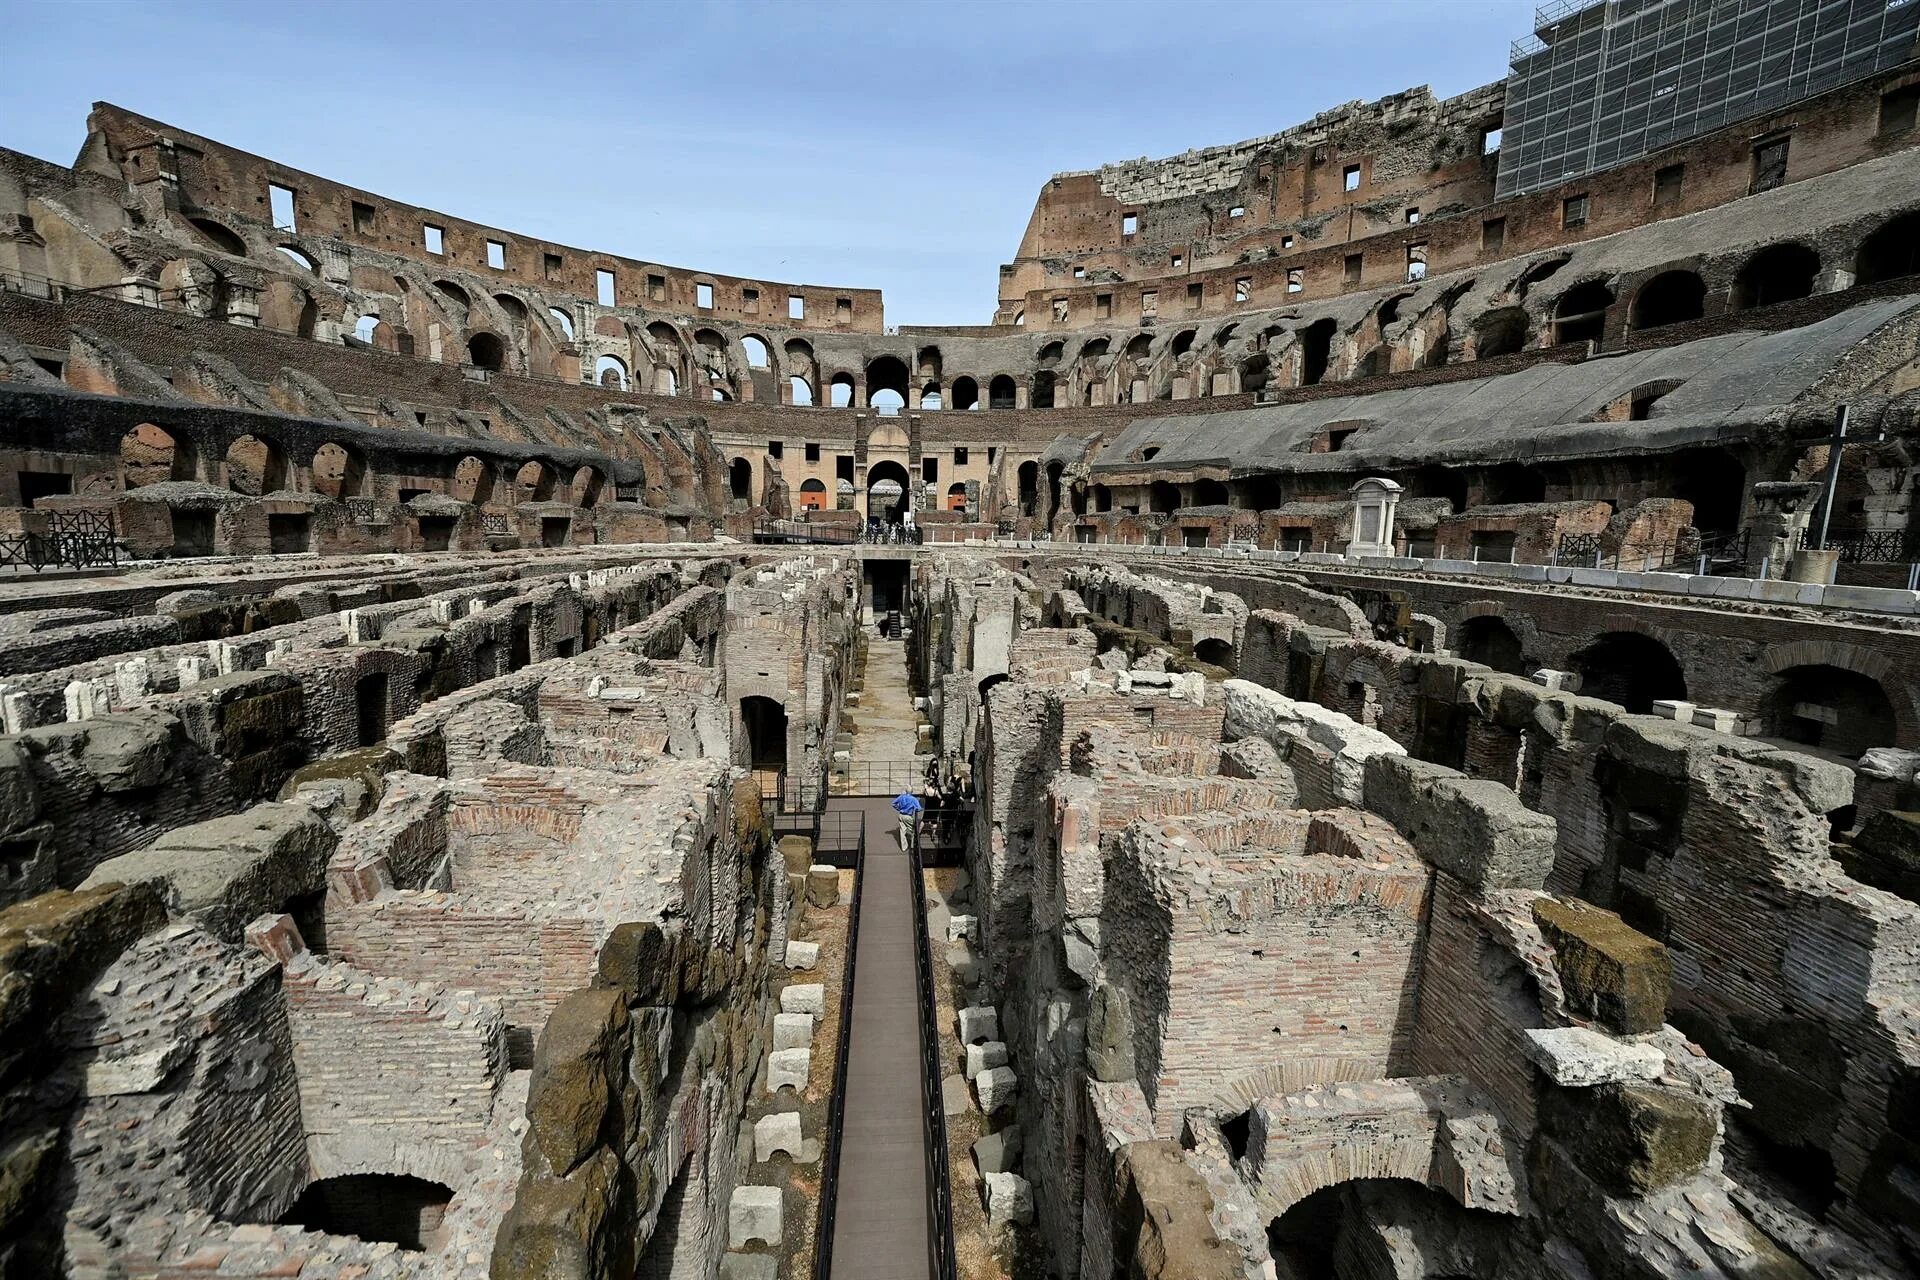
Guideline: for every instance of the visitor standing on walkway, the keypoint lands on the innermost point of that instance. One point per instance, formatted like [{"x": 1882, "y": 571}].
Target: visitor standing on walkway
[{"x": 907, "y": 806}]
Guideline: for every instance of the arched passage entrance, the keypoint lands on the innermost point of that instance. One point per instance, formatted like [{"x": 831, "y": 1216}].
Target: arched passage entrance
[
  {"x": 887, "y": 492},
  {"x": 1490, "y": 642},
  {"x": 740, "y": 481},
  {"x": 766, "y": 724},
  {"x": 1631, "y": 669},
  {"x": 1831, "y": 708}
]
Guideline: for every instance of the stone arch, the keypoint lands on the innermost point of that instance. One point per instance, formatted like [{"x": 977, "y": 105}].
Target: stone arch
[
  {"x": 588, "y": 485},
  {"x": 1672, "y": 297},
  {"x": 255, "y": 466},
  {"x": 150, "y": 454},
  {"x": 1001, "y": 392},
  {"x": 1488, "y": 640},
  {"x": 1580, "y": 314},
  {"x": 740, "y": 480},
  {"x": 1163, "y": 497},
  {"x": 487, "y": 351},
  {"x": 887, "y": 384},
  {"x": 535, "y": 480},
  {"x": 611, "y": 371},
  {"x": 473, "y": 481},
  {"x": 884, "y": 472},
  {"x": 1027, "y": 487},
  {"x": 964, "y": 393},
  {"x": 1630, "y": 666},
  {"x": 1892, "y": 251},
  {"x": 339, "y": 471},
  {"x": 1778, "y": 273},
  {"x": 219, "y": 235},
  {"x": 1834, "y": 708}
]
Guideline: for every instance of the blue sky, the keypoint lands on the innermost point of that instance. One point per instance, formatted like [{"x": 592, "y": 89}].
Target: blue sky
[{"x": 863, "y": 143}]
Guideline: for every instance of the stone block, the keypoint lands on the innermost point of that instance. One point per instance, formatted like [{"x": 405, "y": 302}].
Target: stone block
[
  {"x": 1631, "y": 1139},
  {"x": 1886, "y": 853},
  {"x": 1579, "y": 1056},
  {"x": 1110, "y": 1036},
  {"x": 642, "y": 962},
  {"x": 1557, "y": 681},
  {"x": 962, "y": 928},
  {"x": 823, "y": 885},
  {"x": 1611, "y": 972},
  {"x": 577, "y": 1066},
  {"x": 802, "y": 955},
  {"x": 789, "y": 1069},
  {"x": 979, "y": 1023},
  {"x": 797, "y": 853},
  {"x": 985, "y": 1057},
  {"x": 779, "y": 1132},
  {"x": 753, "y": 1214},
  {"x": 997, "y": 1152},
  {"x": 749, "y": 1266},
  {"x": 792, "y": 1031},
  {"x": 1475, "y": 829},
  {"x": 996, "y": 1088},
  {"x": 804, "y": 997},
  {"x": 1009, "y": 1200},
  {"x": 954, "y": 1098},
  {"x": 557, "y": 1224}
]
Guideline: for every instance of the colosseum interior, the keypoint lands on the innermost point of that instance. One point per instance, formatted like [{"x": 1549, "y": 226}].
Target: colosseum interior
[{"x": 1402, "y": 635}]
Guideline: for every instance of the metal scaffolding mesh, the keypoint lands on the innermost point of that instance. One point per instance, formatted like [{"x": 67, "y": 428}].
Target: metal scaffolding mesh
[{"x": 1600, "y": 82}]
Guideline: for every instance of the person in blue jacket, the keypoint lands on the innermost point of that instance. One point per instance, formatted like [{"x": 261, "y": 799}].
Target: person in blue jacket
[{"x": 907, "y": 806}]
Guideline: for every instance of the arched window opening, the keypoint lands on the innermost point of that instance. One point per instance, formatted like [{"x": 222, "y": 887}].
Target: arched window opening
[
  {"x": 1830, "y": 708},
  {"x": 1163, "y": 497},
  {"x": 800, "y": 391},
  {"x": 1501, "y": 333},
  {"x": 1489, "y": 641},
  {"x": 1001, "y": 392},
  {"x": 610, "y": 371},
  {"x": 338, "y": 472},
  {"x": 1183, "y": 342},
  {"x": 364, "y": 327},
  {"x": 516, "y": 310},
  {"x": 453, "y": 293},
  {"x": 385, "y": 1208},
  {"x": 1778, "y": 273},
  {"x": 150, "y": 454},
  {"x": 966, "y": 394},
  {"x": 535, "y": 480},
  {"x": 1630, "y": 669},
  {"x": 813, "y": 495},
  {"x": 887, "y": 385},
  {"x": 255, "y": 467},
  {"x": 1050, "y": 354},
  {"x": 473, "y": 481},
  {"x": 1028, "y": 488},
  {"x": 1209, "y": 493},
  {"x": 758, "y": 357},
  {"x": 740, "y": 480},
  {"x": 1215, "y": 653},
  {"x": 1372, "y": 364},
  {"x": 1020, "y": 316},
  {"x": 930, "y": 396},
  {"x": 588, "y": 484},
  {"x": 1891, "y": 252},
  {"x": 563, "y": 320},
  {"x": 1102, "y": 498},
  {"x": 1054, "y": 471},
  {"x": 221, "y": 237},
  {"x": 1095, "y": 349},
  {"x": 719, "y": 395},
  {"x": 1671, "y": 297},
  {"x": 840, "y": 391},
  {"x": 297, "y": 257},
  {"x": 486, "y": 351},
  {"x": 1043, "y": 389},
  {"x": 1581, "y": 313},
  {"x": 1316, "y": 350},
  {"x": 1535, "y": 273},
  {"x": 956, "y": 497}
]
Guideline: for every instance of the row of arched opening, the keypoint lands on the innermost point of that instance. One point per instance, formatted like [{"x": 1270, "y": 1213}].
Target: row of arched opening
[
  {"x": 1816, "y": 704},
  {"x": 150, "y": 454}
]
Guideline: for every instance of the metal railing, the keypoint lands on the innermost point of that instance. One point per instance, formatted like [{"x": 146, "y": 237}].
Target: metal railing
[
  {"x": 880, "y": 777},
  {"x": 932, "y": 1099},
  {"x": 873, "y": 533},
  {"x": 74, "y": 540},
  {"x": 1884, "y": 546},
  {"x": 837, "y": 1101},
  {"x": 940, "y": 837},
  {"x": 840, "y": 838}
]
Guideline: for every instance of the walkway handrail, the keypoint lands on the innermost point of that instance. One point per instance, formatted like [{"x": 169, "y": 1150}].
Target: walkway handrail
[
  {"x": 932, "y": 1096},
  {"x": 837, "y": 1102}
]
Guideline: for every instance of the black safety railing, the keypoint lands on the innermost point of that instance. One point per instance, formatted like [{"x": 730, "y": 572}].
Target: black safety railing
[
  {"x": 879, "y": 778},
  {"x": 940, "y": 838},
  {"x": 74, "y": 540},
  {"x": 1884, "y": 546},
  {"x": 932, "y": 1100},
  {"x": 840, "y": 838},
  {"x": 837, "y": 1101},
  {"x": 836, "y": 533}
]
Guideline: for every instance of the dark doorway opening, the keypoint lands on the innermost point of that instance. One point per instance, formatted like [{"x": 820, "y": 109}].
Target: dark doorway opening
[
  {"x": 192, "y": 532},
  {"x": 370, "y": 707},
  {"x": 521, "y": 652},
  {"x": 35, "y": 485},
  {"x": 766, "y": 725},
  {"x": 391, "y": 1207},
  {"x": 887, "y": 586},
  {"x": 554, "y": 530},
  {"x": 1831, "y": 708},
  {"x": 436, "y": 532},
  {"x": 1633, "y": 670},
  {"x": 289, "y": 534},
  {"x": 1490, "y": 642}
]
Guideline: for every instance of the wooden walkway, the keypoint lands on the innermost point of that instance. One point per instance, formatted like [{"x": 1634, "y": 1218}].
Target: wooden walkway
[{"x": 881, "y": 1221}]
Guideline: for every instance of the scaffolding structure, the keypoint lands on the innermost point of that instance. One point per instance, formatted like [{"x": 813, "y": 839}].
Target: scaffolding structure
[{"x": 1600, "y": 82}]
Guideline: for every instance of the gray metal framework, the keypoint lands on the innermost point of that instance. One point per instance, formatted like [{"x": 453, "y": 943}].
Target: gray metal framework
[{"x": 1601, "y": 82}]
